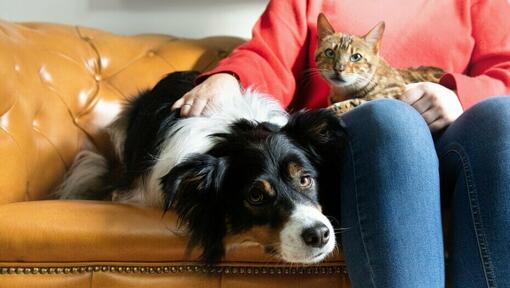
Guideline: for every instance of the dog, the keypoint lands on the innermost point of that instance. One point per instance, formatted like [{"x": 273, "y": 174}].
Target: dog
[{"x": 245, "y": 171}]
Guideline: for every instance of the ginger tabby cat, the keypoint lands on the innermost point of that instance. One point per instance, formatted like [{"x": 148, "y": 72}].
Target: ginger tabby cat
[{"x": 356, "y": 72}]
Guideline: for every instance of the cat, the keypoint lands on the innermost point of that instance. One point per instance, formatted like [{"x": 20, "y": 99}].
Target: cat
[{"x": 356, "y": 72}]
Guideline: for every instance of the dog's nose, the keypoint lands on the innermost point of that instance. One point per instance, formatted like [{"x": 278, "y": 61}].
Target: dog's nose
[{"x": 316, "y": 236}]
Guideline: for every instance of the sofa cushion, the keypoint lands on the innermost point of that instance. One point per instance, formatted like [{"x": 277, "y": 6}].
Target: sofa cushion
[{"x": 92, "y": 231}]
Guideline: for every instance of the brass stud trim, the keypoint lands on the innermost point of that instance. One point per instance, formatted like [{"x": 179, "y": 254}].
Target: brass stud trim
[{"x": 166, "y": 269}]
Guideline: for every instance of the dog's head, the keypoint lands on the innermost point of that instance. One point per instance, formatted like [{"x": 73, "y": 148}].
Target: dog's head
[{"x": 260, "y": 183}]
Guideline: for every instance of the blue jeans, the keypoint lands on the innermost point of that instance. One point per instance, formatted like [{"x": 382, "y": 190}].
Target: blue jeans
[{"x": 392, "y": 197}]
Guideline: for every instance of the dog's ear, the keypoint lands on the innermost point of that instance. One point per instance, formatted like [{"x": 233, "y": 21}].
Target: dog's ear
[
  {"x": 192, "y": 189},
  {"x": 319, "y": 132},
  {"x": 321, "y": 135}
]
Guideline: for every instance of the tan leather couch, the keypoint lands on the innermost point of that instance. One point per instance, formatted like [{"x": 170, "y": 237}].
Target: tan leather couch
[{"x": 59, "y": 86}]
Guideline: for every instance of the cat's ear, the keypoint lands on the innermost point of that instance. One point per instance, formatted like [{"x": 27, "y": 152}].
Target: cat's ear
[
  {"x": 324, "y": 28},
  {"x": 374, "y": 36}
]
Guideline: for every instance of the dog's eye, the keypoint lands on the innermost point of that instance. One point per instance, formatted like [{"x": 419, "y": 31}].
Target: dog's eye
[
  {"x": 305, "y": 181},
  {"x": 256, "y": 197}
]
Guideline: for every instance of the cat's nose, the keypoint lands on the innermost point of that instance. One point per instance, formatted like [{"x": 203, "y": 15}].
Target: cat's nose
[{"x": 340, "y": 67}]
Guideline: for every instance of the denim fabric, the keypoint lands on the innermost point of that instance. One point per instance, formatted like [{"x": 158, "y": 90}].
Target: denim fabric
[
  {"x": 391, "y": 197},
  {"x": 474, "y": 153}
]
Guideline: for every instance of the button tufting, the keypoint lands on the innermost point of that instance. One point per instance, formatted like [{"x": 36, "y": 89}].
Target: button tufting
[
  {"x": 105, "y": 62},
  {"x": 151, "y": 53},
  {"x": 45, "y": 75},
  {"x": 4, "y": 121},
  {"x": 98, "y": 77}
]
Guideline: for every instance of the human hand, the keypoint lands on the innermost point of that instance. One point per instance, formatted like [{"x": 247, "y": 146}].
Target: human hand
[
  {"x": 196, "y": 100},
  {"x": 438, "y": 105}
]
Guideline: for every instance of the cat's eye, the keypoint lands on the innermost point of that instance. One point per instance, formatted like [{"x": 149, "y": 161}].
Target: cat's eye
[
  {"x": 306, "y": 181},
  {"x": 356, "y": 57},
  {"x": 329, "y": 53},
  {"x": 256, "y": 197}
]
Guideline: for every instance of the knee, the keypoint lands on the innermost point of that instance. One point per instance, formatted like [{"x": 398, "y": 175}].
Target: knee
[
  {"x": 494, "y": 109},
  {"x": 488, "y": 119},
  {"x": 390, "y": 129},
  {"x": 391, "y": 120}
]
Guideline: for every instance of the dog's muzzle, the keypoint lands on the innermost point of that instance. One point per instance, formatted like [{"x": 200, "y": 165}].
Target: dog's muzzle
[{"x": 307, "y": 237}]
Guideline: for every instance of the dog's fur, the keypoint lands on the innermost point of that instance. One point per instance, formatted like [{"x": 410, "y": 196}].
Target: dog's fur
[{"x": 246, "y": 171}]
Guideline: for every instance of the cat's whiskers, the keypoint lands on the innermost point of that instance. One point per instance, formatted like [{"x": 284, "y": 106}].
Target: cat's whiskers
[
  {"x": 309, "y": 74},
  {"x": 363, "y": 81},
  {"x": 314, "y": 71}
]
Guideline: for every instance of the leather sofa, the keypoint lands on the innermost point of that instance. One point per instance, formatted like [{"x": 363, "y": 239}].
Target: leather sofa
[{"x": 59, "y": 86}]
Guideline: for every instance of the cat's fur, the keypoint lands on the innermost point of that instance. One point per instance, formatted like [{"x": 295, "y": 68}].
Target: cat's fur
[{"x": 356, "y": 72}]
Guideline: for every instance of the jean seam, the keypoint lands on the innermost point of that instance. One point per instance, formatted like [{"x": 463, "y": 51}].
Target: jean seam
[
  {"x": 483, "y": 247},
  {"x": 355, "y": 184}
]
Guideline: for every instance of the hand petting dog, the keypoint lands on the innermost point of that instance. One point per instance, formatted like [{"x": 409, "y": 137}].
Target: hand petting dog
[{"x": 195, "y": 101}]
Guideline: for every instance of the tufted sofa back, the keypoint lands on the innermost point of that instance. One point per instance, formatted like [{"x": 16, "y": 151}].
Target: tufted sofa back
[{"x": 60, "y": 85}]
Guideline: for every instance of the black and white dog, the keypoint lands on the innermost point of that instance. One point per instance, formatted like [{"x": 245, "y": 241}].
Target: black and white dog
[{"x": 246, "y": 171}]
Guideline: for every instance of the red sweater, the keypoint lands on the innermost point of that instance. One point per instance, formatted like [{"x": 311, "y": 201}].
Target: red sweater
[{"x": 468, "y": 38}]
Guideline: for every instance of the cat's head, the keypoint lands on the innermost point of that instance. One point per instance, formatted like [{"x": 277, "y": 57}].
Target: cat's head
[{"x": 345, "y": 60}]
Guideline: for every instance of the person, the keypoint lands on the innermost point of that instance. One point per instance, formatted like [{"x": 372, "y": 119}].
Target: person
[{"x": 396, "y": 175}]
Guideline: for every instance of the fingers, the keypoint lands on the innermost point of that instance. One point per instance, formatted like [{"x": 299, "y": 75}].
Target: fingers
[
  {"x": 430, "y": 115},
  {"x": 433, "y": 116},
  {"x": 178, "y": 103},
  {"x": 197, "y": 107},
  {"x": 438, "y": 125},
  {"x": 197, "y": 99},
  {"x": 438, "y": 105},
  {"x": 423, "y": 104},
  {"x": 191, "y": 105},
  {"x": 185, "y": 109},
  {"x": 412, "y": 93}
]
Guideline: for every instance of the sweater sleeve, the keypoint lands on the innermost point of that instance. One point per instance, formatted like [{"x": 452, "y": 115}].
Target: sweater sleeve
[
  {"x": 489, "y": 71},
  {"x": 271, "y": 59}
]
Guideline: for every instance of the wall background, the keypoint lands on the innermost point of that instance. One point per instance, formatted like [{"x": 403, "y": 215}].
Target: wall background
[{"x": 185, "y": 18}]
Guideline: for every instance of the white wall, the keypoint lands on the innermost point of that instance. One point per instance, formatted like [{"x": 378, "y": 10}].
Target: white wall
[{"x": 188, "y": 18}]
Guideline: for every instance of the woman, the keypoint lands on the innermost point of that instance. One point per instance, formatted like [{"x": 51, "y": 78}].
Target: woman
[{"x": 394, "y": 172}]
